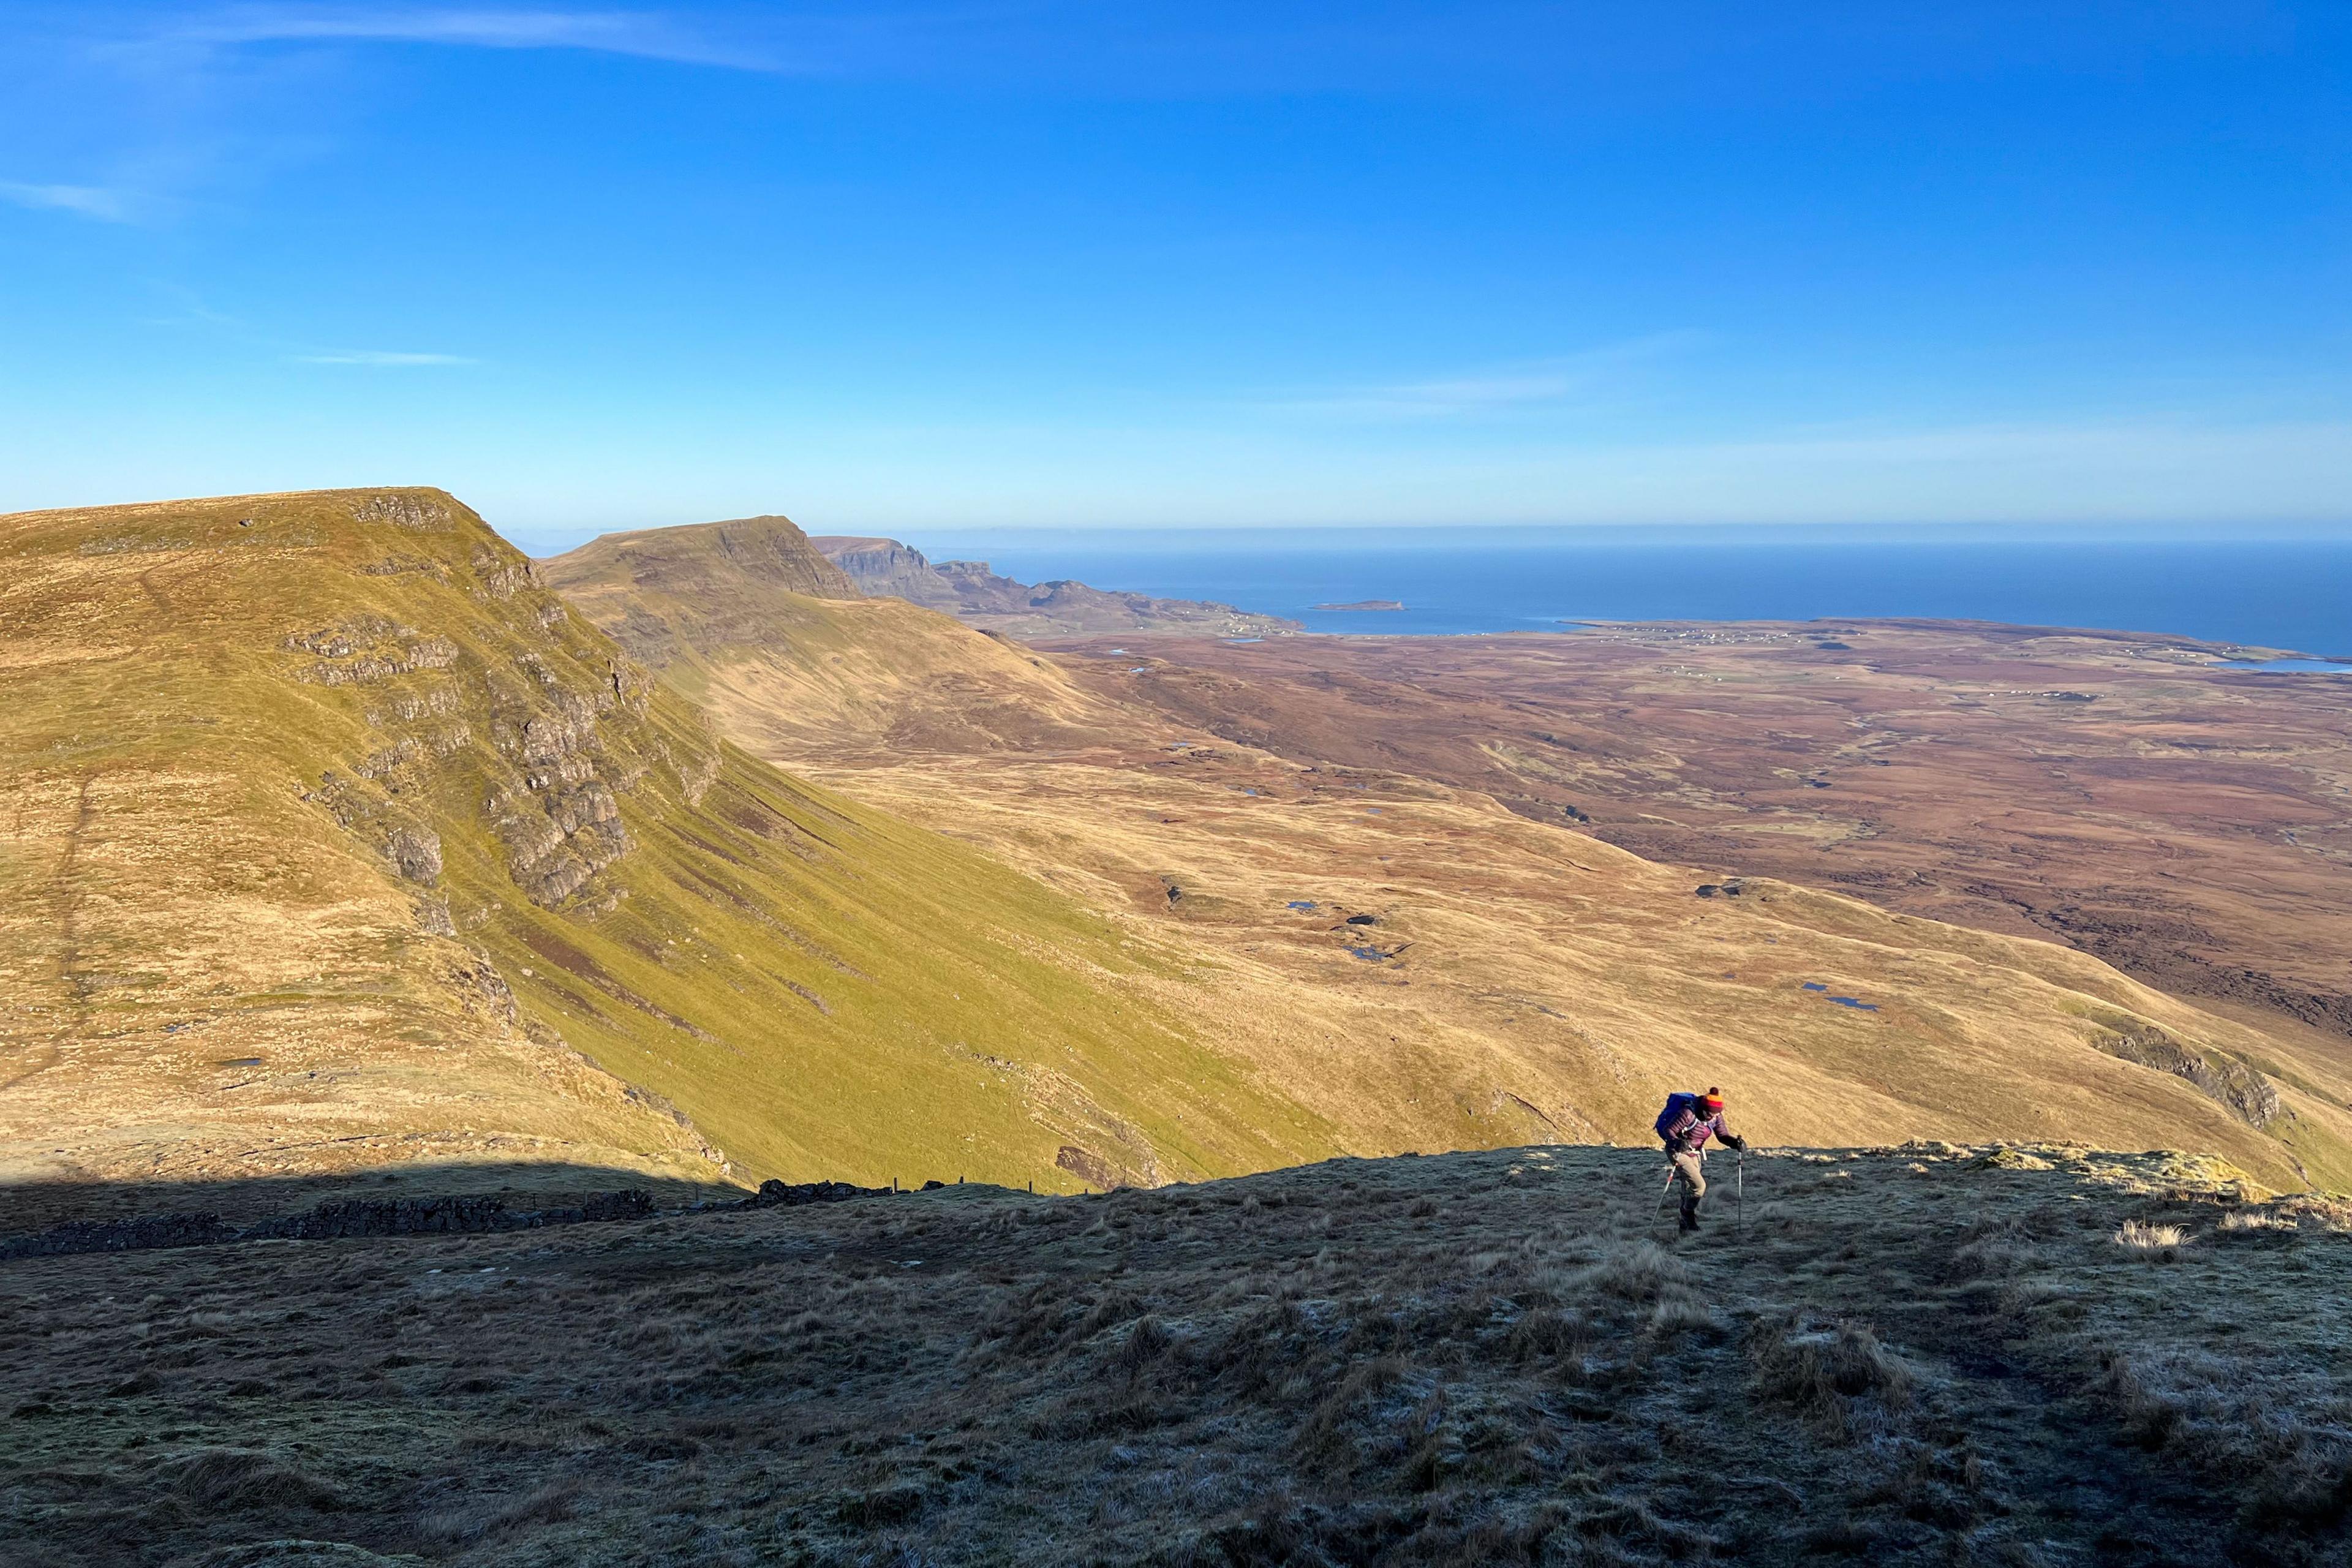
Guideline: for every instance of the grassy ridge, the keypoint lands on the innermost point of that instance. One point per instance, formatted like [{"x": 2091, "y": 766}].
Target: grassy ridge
[
  {"x": 336, "y": 840},
  {"x": 764, "y": 657}
]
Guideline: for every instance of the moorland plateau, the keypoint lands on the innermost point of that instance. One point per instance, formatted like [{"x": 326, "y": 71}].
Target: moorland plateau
[
  {"x": 2133, "y": 797},
  {"x": 1424, "y": 967}
]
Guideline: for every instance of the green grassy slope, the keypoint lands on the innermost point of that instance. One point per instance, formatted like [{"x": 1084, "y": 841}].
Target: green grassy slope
[
  {"x": 762, "y": 656},
  {"x": 715, "y": 579},
  {"x": 304, "y": 787}
]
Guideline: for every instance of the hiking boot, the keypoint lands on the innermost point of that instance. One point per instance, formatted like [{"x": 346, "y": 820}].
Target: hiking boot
[{"x": 1689, "y": 1222}]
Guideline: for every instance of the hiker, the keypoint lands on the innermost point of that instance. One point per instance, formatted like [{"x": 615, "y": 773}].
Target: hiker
[{"x": 1686, "y": 1123}]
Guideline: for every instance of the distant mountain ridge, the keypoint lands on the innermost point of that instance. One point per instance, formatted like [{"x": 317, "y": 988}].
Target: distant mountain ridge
[
  {"x": 768, "y": 549},
  {"x": 717, "y": 581},
  {"x": 747, "y": 646},
  {"x": 971, "y": 591}
]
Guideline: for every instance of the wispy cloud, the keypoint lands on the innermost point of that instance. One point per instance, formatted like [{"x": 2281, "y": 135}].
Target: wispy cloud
[
  {"x": 646, "y": 35},
  {"x": 159, "y": 108},
  {"x": 2154, "y": 443},
  {"x": 381, "y": 358},
  {"x": 1495, "y": 389},
  {"x": 2152, "y": 467},
  {"x": 100, "y": 202}
]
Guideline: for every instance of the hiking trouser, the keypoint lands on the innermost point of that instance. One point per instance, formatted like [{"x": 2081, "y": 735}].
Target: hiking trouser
[{"x": 1692, "y": 1176}]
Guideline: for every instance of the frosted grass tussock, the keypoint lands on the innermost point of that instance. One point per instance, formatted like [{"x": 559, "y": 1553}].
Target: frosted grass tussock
[{"x": 2161, "y": 1242}]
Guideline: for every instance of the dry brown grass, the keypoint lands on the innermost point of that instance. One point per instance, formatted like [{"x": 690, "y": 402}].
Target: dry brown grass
[
  {"x": 239, "y": 1481},
  {"x": 1837, "y": 1372},
  {"x": 1927, "y": 768},
  {"x": 2329, "y": 1214},
  {"x": 1525, "y": 983}
]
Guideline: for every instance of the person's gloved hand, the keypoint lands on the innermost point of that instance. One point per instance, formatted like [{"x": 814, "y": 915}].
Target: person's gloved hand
[{"x": 1736, "y": 1141}]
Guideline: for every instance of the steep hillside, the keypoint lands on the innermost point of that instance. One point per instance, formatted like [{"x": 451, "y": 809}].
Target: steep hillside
[
  {"x": 1926, "y": 1354},
  {"x": 754, "y": 556},
  {"x": 877, "y": 672},
  {"x": 970, "y": 591},
  {"x": 332, "y": 841},
  {"x": 1425, "y": 970}
]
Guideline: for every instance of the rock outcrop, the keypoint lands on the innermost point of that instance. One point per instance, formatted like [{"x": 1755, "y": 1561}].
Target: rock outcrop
[
  {"x": 971, "y": 591},
  {"x": 884, "y": 568},
  {"x": 553, "y": 766},
  {"x": 2251, "y": 1097}
]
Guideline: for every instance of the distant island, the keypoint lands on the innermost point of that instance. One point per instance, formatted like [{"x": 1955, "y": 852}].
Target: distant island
[{"x": 1365, "y": 604}]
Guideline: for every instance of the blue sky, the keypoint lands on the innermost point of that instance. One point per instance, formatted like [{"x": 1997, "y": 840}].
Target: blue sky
[{"x": 907, "y": 267}]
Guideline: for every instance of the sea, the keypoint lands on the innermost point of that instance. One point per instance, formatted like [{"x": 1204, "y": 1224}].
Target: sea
[{"x": 2286, "y": 594}]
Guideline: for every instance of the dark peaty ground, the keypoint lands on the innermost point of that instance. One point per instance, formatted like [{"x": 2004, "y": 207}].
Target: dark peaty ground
[{"x": 1916, "y": 1355}]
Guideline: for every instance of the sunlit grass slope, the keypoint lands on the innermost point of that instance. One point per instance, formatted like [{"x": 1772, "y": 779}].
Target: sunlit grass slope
[
  {"x": 333, "y": 840},
  {"x": 720, "y": 616},
  {"x": 1516, "y": 982}
]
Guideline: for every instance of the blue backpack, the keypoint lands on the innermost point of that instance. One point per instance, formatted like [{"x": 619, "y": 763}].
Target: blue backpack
[{"x": 1676, "y": 1104}]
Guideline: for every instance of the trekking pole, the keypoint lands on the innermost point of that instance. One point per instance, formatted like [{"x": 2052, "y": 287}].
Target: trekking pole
[
  {"x": 1660, "y": 1206},
  {"x": 1739, "y": 1190}
]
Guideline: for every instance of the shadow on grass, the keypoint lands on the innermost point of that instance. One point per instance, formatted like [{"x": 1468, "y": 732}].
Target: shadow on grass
[{"x": 51, "y": 1219}]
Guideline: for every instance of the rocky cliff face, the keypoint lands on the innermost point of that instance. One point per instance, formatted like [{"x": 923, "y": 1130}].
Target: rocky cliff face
[
  {"x": 330, "y": 757},
  {"x": 971, "y": 591},
  {"x": 884, "y": 568},
  {"x": 554, "y": 747}
]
